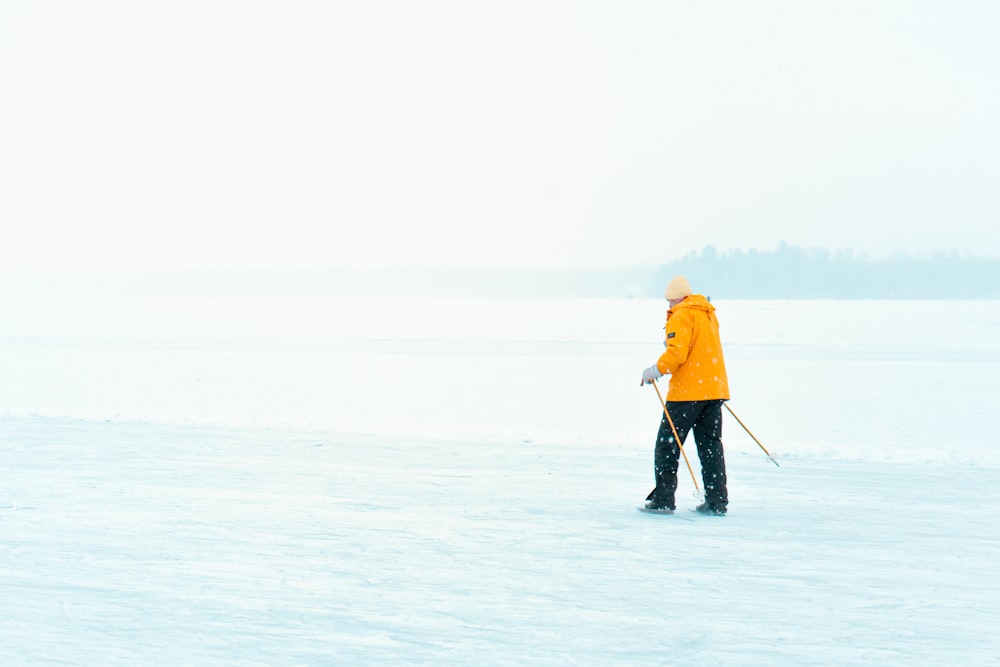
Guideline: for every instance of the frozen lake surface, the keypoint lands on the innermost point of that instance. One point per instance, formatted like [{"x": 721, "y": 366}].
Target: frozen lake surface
[{"x": 313, "y": 482}]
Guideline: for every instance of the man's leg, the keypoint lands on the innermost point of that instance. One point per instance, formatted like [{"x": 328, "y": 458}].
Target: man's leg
[
  {"x": 708, "y": 437},
  {"x": 666, "y": 456}
]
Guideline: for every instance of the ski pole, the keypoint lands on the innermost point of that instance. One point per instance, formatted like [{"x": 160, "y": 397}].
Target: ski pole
[
  {"x": 770, "y": 457},
  {"x": 677, "y": 439}
]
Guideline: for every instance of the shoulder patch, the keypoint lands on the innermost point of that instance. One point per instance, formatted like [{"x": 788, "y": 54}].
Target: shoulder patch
[{"x": 671, "y": 334}]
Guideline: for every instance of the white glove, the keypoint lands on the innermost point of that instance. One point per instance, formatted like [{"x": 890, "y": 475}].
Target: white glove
[{"x": 651, "y": 374}]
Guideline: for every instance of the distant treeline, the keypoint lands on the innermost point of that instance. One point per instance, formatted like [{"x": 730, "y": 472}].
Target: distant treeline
[
  {"x": 790, "y": 272},
  {"x": 787, "y": 272}
]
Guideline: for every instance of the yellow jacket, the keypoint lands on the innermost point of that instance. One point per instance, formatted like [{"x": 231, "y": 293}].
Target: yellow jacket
[{"x": 693, "y": 357}]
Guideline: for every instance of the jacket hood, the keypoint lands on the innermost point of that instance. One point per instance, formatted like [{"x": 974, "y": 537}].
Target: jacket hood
[{"x": 696, "y": 302}]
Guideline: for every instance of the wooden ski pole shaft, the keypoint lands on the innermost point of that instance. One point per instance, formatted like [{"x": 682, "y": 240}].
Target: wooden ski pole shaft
[
  {"x": 677, "y": 438},
  {"x": 770, "y": 457}
]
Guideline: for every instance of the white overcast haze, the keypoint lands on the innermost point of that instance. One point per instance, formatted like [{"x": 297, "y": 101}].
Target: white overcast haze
[{"x": 173, "y": 135}]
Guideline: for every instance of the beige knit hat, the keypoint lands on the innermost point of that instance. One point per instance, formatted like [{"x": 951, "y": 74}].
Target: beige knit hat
[{"x": 678, "y": 288}]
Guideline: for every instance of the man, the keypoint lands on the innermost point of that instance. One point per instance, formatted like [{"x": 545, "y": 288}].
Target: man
[{"x": 698, "y": 387}]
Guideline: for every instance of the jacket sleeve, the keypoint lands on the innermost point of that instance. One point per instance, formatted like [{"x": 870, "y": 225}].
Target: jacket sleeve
[{"x": 678, "y": 340}]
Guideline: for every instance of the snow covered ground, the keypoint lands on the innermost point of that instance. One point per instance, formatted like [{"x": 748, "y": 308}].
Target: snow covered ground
[{"x": 442, "y": 482}]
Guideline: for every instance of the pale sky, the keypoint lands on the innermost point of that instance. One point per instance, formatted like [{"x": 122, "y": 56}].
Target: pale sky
[{"x": 211, "y": 133}]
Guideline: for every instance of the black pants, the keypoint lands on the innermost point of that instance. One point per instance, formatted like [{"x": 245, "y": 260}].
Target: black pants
[{"x": 706, "y": 419}]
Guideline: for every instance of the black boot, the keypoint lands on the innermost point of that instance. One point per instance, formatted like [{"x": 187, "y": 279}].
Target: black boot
[
  {"x": 655, "y": 506},
  {"x": 660, "y": 501},
  {"x": 718, "y": 509}
]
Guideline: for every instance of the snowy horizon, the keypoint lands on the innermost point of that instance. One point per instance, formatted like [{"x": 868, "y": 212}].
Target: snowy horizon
[{"x": 784, "y": 273}]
